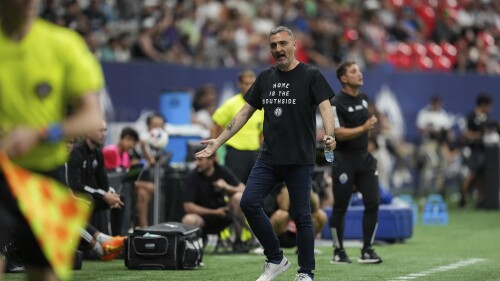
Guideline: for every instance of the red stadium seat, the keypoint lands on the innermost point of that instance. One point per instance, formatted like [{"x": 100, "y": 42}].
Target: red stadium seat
[
  {"x": 418, "y": 49},
  {"x": 449, "y": 51},
  {"x": 424, "y": 63},
  {"x": 434, "y": 50},
  {"x": 442, "y": 63},
  {"x": 486, "y": 38},
  {"x": 350, "y": 35},
  {"x": 404, "y": 49},
  {"x": 403, "y": 62},
  {"x": 400, "y": 3}
]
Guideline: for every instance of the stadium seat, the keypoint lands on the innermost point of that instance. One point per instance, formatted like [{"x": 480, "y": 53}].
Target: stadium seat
[
  {"x": 404, "y": 49},
  {"x": 434, "y": 50},
  {"x": 442, "y": 63},
  {"x": 449, "y": 51},
  {"x": 400, "y": 61},
  {"x": 418, "y": 49},
  {"x": 424, "y": 63}
]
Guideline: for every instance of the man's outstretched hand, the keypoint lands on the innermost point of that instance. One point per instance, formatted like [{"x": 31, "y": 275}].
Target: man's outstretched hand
[{"x": 211, "y": 147}]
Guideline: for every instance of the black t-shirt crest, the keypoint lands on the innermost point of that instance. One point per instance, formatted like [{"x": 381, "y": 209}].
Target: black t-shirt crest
[{"x": 289, "y": 100}]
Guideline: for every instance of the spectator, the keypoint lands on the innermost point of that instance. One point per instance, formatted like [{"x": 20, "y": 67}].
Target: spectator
[
  {"x": 204, "y": 105},
  {"x": 149, "y": 44},
  {"x": 153, "y": 121},
  {"x": 211, "y": 33},
  {"x": 118, "y": 157},
  {"x": 117, "y": 49},
  {"x": 96, "y": 18},
  {"x": 74, "y": 18},
  {"x": 212, "y": 197},
  {"x": 243, "y": 148},
  {"x": 50, "y": 12}
]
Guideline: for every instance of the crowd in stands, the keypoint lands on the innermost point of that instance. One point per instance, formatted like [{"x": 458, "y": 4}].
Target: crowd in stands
[{"x": 409, "y": 35}]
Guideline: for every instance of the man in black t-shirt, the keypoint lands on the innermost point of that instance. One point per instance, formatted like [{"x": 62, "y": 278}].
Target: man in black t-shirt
[
  {"x": 212, "y": 195},
  {"x": 478, "y": 122},
  {"x": 289, "y": 93},
  {"x": 356, "y": 166}
]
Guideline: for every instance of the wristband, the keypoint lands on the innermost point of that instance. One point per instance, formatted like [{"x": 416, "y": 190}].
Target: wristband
[
  {"x": 330, "y": 135},
  {"x": 53, "y": 133}
]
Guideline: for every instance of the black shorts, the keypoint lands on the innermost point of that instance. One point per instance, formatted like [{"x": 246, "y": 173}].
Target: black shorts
[
  {"x": 215, "y": 224},
  {"x": 15, "y": 230},
  {"x": 146, "y": 175}
]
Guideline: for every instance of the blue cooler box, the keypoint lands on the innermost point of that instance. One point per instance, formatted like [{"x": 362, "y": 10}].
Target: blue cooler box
[{"x": 394, "y": 223}]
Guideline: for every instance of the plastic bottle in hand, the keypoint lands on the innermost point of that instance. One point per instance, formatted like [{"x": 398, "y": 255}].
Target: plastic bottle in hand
[{"x": 328, "y": 155}]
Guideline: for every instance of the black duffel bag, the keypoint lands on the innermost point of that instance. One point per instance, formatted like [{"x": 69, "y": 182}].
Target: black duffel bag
[{"x": 169, "y": 245}]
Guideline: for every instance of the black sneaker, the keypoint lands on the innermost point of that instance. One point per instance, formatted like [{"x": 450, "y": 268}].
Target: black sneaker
[
  {"x": 368, "y": 255},
  {"x": 340, "y": 257}
]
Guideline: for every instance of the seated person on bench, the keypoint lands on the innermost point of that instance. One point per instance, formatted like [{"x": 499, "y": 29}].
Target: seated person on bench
[
  {"x": 86, "y": 174},
  {"x": 212, "y": 195},
  {"x": 103, "y": 246}
]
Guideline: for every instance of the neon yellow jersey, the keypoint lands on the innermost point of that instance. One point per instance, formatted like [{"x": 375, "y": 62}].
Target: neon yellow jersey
[
  {"x": 39, "y": 76},
  {"x": 247, "y": 138}
]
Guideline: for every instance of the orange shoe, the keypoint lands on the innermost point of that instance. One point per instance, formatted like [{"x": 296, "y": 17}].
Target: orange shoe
[{"x": 112, "y": 248}]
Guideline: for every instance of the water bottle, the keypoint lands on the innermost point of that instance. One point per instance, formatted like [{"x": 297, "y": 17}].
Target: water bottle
[{"x": 328, "y": 155}]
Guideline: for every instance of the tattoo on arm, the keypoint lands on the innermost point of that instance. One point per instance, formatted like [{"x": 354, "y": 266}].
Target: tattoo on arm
[{"x": 230, "y": 126}]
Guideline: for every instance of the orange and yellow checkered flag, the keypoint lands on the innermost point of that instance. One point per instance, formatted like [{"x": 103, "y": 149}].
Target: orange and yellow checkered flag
[{"x": 53, "y": 213}]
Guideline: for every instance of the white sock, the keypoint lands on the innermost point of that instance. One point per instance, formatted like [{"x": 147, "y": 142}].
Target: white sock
[
  {"x": 101, "y": 237},
  {"x": 98, "y": 249}
]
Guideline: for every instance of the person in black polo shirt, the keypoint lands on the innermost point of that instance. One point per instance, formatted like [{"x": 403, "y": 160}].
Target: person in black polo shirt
[{"x": 354, "y": 165}]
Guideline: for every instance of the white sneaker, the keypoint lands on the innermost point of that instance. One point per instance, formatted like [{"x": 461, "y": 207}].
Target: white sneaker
[
  {"x": 303, "y": 277},
  {"x": 271, "y": 270}
]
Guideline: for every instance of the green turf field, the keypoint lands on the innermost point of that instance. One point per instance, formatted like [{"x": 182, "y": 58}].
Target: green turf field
[{"x": 468, "y": 248}]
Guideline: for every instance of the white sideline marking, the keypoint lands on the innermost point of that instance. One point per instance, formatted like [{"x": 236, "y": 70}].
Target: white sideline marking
[{"x": 456, "y": 265}]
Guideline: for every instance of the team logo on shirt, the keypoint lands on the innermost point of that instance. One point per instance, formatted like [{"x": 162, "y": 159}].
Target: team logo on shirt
[
  {"x": 350, "y": 109},
  {"x": 278, "y": 111},
  {"x": 343, "y": 178},
  {"x": 364, "y": 103},
  {"x": 43, "y": 89}
]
